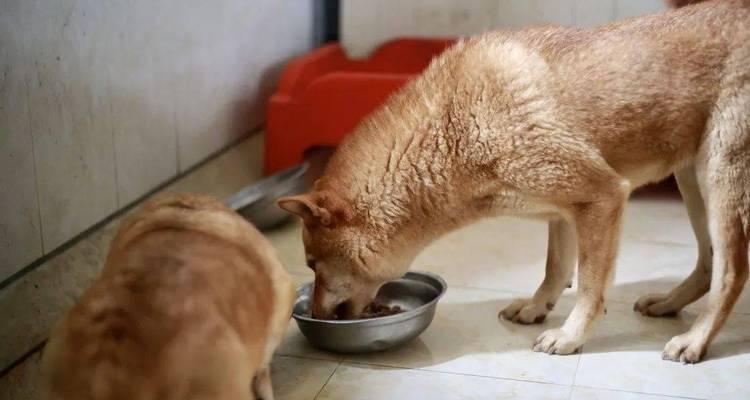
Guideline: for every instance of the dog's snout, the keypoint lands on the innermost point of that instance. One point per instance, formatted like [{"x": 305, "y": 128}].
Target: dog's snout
[
  {"x": 341, "y": 310},
  {"x": 319, "y": 311}
]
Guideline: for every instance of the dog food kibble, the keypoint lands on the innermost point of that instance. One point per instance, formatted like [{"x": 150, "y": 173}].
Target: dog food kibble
[
  {"x": 372, "y": 311},
  {"x": 380, "y": 310}
]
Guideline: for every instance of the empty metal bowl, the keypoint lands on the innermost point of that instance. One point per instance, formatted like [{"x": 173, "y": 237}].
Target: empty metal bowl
[
  {"x": 417, "y": 293},
  {"x": 257, "y": 202}
]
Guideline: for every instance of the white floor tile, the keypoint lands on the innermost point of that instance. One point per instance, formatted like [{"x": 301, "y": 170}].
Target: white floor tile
[
  {"x": 657, "y": 251},
  {"x": 363, "y": 382},
  {"x": 287, "y": 239},
  {"x": 657, "y": 220},
  {"x": 299, "y": 378},
  {"x": 500, "y": 253},
  {"x": 647, "y": 267},
  {"x": 601, "y": 394},
  {"x": 624, "y": 353},
  {"x": 295, "y": 344},
  {"x": 24, "y": 381}
]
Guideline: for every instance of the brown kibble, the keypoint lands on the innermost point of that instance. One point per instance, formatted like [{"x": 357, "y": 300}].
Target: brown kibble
[{"x": 375, "y": 310}]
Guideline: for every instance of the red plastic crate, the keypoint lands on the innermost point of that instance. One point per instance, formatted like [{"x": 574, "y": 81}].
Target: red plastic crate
[{"x": 323, "y": 95}]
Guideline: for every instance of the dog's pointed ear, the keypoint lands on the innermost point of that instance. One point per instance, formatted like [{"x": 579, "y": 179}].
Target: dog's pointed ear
[{"x": 307, "y": 208}]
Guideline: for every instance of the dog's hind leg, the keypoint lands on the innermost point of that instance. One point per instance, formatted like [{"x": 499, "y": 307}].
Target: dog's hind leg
[
  {"x": 723, "y": 170},
  {"x": 697, "y": 284},
  {"x": 561, "y": 260}
]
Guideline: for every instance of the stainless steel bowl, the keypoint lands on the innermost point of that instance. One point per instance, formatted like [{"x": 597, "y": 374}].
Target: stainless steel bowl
[
  {"x": 257, "y": 202},
  {"x": 417, "y": 293}
]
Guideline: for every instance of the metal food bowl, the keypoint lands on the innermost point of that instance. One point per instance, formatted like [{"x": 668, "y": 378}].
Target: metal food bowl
[
  {"x": 417, "y": 293},
  {"x": 257, "y": 202}
]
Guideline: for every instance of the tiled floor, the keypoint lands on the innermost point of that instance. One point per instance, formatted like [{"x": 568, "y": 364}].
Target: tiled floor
[{"x": 467, "y": 353}]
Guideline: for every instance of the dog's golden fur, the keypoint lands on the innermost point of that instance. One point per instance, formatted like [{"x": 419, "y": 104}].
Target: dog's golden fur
[
  {"x": 191, "y": 304},
  {"x": 555, "y": 123}
]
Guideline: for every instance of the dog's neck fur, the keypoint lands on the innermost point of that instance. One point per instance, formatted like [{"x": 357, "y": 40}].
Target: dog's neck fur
[
  {"x": 450, "y": 126},
  {"x": 408, "y": 157}
]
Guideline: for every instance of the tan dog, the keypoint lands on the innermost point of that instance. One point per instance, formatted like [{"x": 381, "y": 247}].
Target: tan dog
[
  {"x": 555, "y": 123},
  {"x": 191, "y": 304}
]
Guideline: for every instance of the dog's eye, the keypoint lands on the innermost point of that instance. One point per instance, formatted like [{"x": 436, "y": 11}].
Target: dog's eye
[{"x": 311, "y": 264}]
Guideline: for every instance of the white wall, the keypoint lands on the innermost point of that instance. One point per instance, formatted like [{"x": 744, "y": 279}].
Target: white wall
[
  {"x": 101, "y": 101},
  {"x": 365, "y": 23}
]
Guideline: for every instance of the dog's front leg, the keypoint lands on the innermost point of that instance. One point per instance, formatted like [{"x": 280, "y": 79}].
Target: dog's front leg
[
  {"x": 598, "y": 230},
  {"x": 561, "y": 259}
]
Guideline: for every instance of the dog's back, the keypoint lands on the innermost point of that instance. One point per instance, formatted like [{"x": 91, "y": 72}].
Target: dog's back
[
  {"x": 185, "y": 309},
  {"x": 644, "y": 89},
  {"x": 639, "y": 91}
]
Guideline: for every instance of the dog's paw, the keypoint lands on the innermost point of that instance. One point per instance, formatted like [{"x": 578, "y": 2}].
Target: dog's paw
[
  {"x": 557, "y": 341},
  {"x": 685, "y": 349},
  {"x": 655, "y": 305},
  {"x": 525, "y": 311}
]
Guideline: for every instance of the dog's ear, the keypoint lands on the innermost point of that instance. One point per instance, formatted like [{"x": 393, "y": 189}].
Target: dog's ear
[{"x": 307, "y": 208}]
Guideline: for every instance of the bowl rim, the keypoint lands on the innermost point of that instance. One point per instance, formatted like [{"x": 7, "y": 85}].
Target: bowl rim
[
  {"x": 386, "y": 320},
  {"x": 267, "y": 187}
]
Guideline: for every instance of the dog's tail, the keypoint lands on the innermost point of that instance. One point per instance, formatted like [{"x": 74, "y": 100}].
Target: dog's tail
[{"x": 682, "y": 3}]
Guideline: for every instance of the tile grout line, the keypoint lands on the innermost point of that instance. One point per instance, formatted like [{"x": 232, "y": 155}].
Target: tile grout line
[
  {"x": 394, "y": 367},
  {"x": 38, "y": 348},
  {"x": 640, "y": 393},
  {"x": 349, "y": 361},
  {"x": 116, "y": 214},
  {"x": 177, "y": 130},
  {"x": 113, "y": 134},
  {"x": 328, "y": 380},
  {"x": 33, "y": 163},
  {"x": 666, "y": 243},
  {"x": 575, "y": 373},
  {"x": 98, "y": 226},
  {"x": 356, "y": 362},
  {"x": 311, "y": 358}
]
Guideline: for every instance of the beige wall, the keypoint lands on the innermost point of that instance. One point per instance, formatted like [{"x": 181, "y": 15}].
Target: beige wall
[
  {"x": 366, "y": 23},
  {"x": 101, "y": 101}
]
